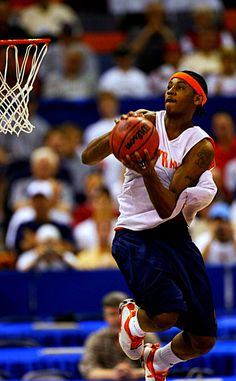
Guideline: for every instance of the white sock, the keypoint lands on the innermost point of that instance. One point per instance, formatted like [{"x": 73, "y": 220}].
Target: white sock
[
  {"x": 165, "y": 358},
  {"x": 135, "y": 327}
]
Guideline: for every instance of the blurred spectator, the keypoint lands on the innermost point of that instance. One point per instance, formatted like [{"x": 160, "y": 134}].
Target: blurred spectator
[
  {"x": 72, "y": 137},
  {"x": 44, "y": 163},
  {"x": 21, "y": 234},
  {"x": 212, "y": 214},
  {"x": 54, "y": 139},
  {"x": 122, "y": 78},
  {"x": 72, "y": 83},
  {"x": 230, "y": 179},
  {"x": 103, "y": 208},
  {"x": 218, "y": 245},
  {"x": 50, "y": 252},
  {"x": 57, "y": 52},
  {"x": 204, "y": 17},
  {"x": 189, "y": 5},
  {"x": 9, "y": 28},
  {"x": 4, "y": 165},
  {"x": 7, "y": 260},
  {"x": 93, "y": 182},
  {"x": 119, "y": 7},
  {"x": 200, "y": 224},
  {"x": 147, "y": 43},
  {"x": 159, "y": 77},
  {"x": 99, "y": 255},
  {"x": 15, "y": 152},
  {"x": 20, "y": 148},
  {"x": 205, "y": 59},
  {"x": 224, "y": 83},
  {"x": 108, "y": 107},
  {"x": 103, "y": 358},
  {"x": 46, "y": 18},
  {"x": 223, "y": 129},
  {"x": 29, "y": 212}
]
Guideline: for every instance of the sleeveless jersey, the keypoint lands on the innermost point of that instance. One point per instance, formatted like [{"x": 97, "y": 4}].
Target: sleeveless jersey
[{"x": 136, "y": 209}]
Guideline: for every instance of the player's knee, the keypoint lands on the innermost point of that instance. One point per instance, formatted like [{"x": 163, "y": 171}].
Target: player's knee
[
  {"x": 165, "y": 320},
  {"x": 202, "y": 344}
]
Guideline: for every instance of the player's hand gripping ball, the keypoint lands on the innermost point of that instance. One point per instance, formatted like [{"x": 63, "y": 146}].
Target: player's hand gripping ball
[{"x": 134, "y": 134}]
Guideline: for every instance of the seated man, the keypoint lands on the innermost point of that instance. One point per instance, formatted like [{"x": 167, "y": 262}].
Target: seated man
[{"x": 103, "y": 357}]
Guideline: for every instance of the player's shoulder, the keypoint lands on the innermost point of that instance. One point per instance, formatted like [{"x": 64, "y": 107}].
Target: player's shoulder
[{"x": 202, "y": 153}]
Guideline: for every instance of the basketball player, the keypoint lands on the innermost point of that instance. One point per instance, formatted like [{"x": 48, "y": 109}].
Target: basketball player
[{"x": 152, "y": 246}]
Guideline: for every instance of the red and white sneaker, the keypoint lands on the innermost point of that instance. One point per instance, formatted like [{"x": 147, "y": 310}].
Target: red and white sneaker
[
  {"x": 147, "y": 361},
  {"x": 131, "y": 345}
]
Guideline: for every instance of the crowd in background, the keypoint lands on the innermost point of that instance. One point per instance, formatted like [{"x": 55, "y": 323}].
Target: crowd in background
[{"x": 57, "y": 213}]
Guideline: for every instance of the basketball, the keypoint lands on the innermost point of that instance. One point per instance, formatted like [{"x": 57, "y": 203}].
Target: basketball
[{"x": 134, "y": 134}]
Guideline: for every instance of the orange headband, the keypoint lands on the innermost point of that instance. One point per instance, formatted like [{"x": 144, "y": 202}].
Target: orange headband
[{"x": 192, "y": 82}]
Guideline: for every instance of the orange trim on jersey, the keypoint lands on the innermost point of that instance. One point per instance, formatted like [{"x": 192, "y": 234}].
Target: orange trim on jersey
[{"x": 192, "y": 82}]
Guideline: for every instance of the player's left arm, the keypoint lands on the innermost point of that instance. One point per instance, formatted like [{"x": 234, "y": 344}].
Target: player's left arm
[{"x": 197, "y": 161}]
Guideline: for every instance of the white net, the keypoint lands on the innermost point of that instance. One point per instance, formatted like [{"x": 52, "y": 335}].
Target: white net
[{"x": 14, "y": 97}]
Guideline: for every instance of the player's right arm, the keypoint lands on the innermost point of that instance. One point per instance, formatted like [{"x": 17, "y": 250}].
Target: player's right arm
[
  {"x": 100, "y": 148},
  {"x": 97, "y": 150}
]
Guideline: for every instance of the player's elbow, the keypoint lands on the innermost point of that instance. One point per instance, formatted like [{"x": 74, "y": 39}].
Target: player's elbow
[
  {"x": 86, "y": 158},
  {"x": 164, "y": 215},
  {"x": 165, "y": 212}
]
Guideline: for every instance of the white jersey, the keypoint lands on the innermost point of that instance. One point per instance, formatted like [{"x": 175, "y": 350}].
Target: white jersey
[{"x": 136, "y": 209}]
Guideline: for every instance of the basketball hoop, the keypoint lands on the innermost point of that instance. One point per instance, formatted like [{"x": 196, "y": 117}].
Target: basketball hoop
[{"x": 22, "y": 69}]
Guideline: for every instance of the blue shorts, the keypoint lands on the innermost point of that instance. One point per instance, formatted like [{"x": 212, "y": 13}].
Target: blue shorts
[{"x": 165, "y": 272}]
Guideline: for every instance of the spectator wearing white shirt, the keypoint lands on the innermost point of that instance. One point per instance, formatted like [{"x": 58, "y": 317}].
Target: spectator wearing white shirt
[
  {"x": 224, "y": 83},
  {"x": 205, "y": 59},
  {"x": 201, "y": 18},
  {"x": 57, "y": 53},
  {"x": 102, "y": 209},
  {"x": 47, "y": 17},
  {"x": 123, "y": 77},
  {"x": 108, "y": 106},
  {"x": 50, "y": 253},
  {"x": 72, "y": 83},
  {"x": 218, "y": 244}
]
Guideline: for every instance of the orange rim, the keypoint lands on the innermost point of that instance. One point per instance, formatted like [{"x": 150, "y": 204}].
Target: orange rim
[{"x": 25, "y": 41}]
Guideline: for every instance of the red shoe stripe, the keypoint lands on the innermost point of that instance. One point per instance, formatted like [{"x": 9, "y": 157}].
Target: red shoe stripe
[
  {"x": 136, "y": 341},
  {"x": 157, "y": 375},
  {"x": 150, "y": 359}
]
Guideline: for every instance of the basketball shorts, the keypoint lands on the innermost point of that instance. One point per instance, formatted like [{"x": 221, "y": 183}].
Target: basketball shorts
[{"x": 165, "y": 272}]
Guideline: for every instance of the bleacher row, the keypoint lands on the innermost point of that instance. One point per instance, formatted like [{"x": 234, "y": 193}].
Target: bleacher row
[{"x": 45, "y": 319}]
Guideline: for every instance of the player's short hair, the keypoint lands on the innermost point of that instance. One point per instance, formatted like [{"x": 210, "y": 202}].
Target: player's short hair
[
  {"x": 199, "y": 78},
  {"x": 113, "y": 299}
]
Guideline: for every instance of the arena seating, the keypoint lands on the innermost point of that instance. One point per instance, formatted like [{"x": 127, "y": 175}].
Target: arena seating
[{"x": 56, "y": 311}]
